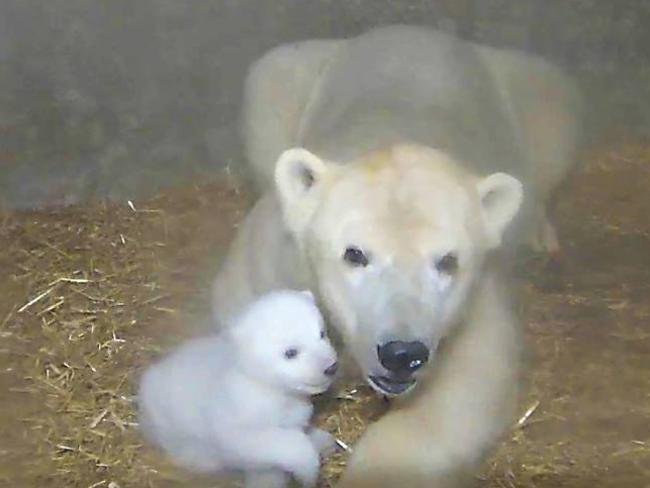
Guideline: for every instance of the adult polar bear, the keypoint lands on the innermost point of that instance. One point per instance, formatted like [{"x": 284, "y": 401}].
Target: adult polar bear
[{"x": 414, "y": 157}]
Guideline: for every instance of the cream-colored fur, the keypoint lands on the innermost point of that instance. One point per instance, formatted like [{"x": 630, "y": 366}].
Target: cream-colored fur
[
  {"x": 402, "y": 143},
  {"x": 541, "y": 102},
  {"x": 545, "y": 106},
  {"x": 424, "y": 206},
  {"x": 438, "y": 437},
  {"x": 278, "y": 91}
]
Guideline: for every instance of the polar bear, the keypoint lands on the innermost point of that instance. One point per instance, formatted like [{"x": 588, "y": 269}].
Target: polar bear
[
  {"x": 397, "y": 170},
  {"x": 296, "y": 95},
  {"x": 240, "y": 399}
]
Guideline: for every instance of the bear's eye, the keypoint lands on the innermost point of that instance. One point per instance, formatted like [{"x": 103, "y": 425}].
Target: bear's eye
[
  {"x": 355, "y": 257},
  {"x": 448, "y": 263},
  {"x": 322, "y": 334},
  {"x": 291, "y": 353}
]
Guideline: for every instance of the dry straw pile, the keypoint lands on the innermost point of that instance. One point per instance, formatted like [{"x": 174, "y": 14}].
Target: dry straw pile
[{"x": 91, "y": 293}]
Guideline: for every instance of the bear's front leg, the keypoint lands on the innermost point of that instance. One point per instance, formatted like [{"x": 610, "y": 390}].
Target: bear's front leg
[
  {"x": 438, "y": 437},
  {"x": 398, "y": 452}
]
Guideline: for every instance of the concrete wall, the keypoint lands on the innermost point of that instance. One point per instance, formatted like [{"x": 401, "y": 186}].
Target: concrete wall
[{"x": 117, "y": 98}]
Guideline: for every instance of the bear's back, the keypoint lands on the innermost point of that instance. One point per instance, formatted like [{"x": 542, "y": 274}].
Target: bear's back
[{"x": 408, "y": 84}]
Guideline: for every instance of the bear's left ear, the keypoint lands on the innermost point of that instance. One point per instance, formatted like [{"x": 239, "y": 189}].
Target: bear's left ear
[
  {"x": 298, "y": 173},
  {"x": 501, "y": 196}
]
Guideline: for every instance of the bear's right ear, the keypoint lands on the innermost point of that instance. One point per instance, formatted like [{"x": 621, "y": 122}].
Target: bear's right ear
[{"x": 298, "y": 173}]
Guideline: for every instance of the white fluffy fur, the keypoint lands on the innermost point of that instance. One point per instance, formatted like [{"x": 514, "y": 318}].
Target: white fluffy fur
[
  {"x": 234, "y": 401},
  {"x": 409, "y": 144}
]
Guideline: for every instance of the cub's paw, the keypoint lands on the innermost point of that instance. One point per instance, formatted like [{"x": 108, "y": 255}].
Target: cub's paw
[
  {"x": 305, "y": 469},
  {"x": 324, "y": 442},
  {"x": 265, "y": 479}
]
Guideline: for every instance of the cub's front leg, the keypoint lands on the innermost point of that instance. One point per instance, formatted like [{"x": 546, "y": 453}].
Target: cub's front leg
[
  {"x": 286, "y": 450},
  {"x": 266, "y": 479},
  {"x": 323, "y": 442}
]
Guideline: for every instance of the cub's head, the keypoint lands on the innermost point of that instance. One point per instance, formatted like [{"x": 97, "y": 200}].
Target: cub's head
[
  {"x": 395, "y": 241},
  {"x": 280, "y": 340}
]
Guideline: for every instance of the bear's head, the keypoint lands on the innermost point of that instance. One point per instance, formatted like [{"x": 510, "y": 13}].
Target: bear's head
[
  {"x": 280, "y": 340},
  {"x": 395, "y": 241}
]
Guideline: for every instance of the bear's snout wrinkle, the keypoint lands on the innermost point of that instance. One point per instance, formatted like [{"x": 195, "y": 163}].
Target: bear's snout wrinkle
[{"x": 403, "y": 358}]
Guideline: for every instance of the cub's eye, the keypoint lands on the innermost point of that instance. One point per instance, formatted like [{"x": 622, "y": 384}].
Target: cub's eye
[
  {"x": 355, "y": 257},
  {"x": 291, "y": 353},
  {"x": 322, "y": 334},
  {"x": 447, "y": 264}
]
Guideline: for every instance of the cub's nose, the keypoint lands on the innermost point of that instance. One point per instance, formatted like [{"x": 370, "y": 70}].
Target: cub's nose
[
  {"x": 403, "y": 358},
  {"x": 331, "y": 370}
]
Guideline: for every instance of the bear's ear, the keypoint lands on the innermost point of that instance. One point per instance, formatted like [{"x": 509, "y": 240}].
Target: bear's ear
[
  {"x": 501, "y": 196},
  {"x": 298, "y": 173}
]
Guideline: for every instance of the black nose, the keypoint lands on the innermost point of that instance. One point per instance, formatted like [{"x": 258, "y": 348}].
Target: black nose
[
  {"x": 402, "y": 358},
  {"x": 331, "y": 371}
]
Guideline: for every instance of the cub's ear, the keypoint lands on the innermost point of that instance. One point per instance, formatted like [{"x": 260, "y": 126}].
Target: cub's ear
[
  {"x": 308, "y": 294},
  {"x": 298, "y": 174},
  {"x": 501, "y": 197}
]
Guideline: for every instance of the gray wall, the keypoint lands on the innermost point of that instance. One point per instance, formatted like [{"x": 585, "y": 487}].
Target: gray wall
[{"x": 117, "y": 98}]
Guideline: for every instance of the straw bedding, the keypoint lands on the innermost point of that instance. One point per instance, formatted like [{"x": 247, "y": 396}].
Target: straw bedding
[{"x": 91, "y": 293}]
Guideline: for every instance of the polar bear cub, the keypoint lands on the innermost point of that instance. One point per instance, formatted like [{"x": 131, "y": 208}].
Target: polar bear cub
[{"x": 239, "y": 400}]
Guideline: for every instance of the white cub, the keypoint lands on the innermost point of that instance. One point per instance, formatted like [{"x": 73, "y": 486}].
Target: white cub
[{"x": 239, "y": 400}]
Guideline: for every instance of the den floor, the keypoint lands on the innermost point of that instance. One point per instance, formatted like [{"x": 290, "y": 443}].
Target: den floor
[{"x": 89, "y": 294}]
